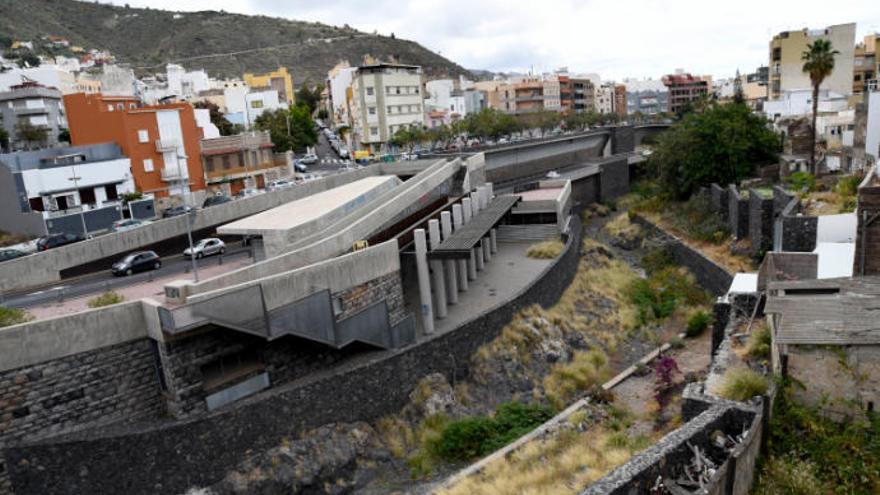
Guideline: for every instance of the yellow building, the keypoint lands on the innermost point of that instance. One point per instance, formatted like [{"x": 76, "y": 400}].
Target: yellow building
[
  {"x": 280, "y": 80},
  {"x": 786, "y": 65},
  {"x": 866, "y": 65}
]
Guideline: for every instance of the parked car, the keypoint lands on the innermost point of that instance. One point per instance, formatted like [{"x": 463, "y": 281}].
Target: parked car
[
  {"x": 10, "y": 254},
  {"x": 216, "y": 200},
  {"x": 299, "y": 166},
  {"x": 309, "y": 159},
  {"x": 206, "y": 247},
  {"x": 278, "y": 184},
  {"x": 140, "y": 261},
  {"x": 128, "y": 224},
  {"x": 552, "y": 174},
  {"x": 176, "y": 210},
  {"x": 248, "y": 192},
  {"x": 343, "y": 153},
  {"x": 55, "y": 240}
]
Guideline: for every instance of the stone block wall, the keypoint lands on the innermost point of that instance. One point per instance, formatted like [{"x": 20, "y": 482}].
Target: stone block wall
[
  {"x": 201, "y": 449},
  {"x": 387, "y": 287},
  {"x": 843, "y": 380},
  {"x": 760, "y": 222},
  {"x": 799, "y": 233},
  {"x": 738, "y": 213},
  {"x": 720, "y": 202},
  {"x": 613, "y": 179}
]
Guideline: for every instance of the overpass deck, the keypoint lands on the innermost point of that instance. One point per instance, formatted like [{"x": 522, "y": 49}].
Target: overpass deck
[{"x": 463, "y": 240}]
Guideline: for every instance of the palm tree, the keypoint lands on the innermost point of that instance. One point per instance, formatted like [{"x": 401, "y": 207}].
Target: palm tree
[{"x": 818, "y": 63}]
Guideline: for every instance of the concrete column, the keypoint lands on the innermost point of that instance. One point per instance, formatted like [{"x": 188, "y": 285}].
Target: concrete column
[
  {"x": 467, "y": 209},
  {"x": 450, "y": 265},
  {"x": 437, "y": 269},
  {"x": 493, "y": 237},
  {"x": 481, "y": 193},
  {"x": 491, "y": 189},
  {"x": 475, "y": 203},
  {"x": 461, "y": 271},
  {"x": 478, "y": 254},
  {"x": 424, "y": 280},
  {"x": 487, "y": 251}
]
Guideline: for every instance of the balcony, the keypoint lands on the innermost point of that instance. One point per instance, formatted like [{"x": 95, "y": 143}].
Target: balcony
[
  {"x": 163, "y": 145},
  {"x": 173, "y": 174},
  {"x": 22, "y": 111}
]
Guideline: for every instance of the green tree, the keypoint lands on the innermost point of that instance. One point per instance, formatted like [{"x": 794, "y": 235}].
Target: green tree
[
  {"x": 408, "y": 137},
  {"x": 721, "y": 143},
  {"x": 31, "y": 134},
  {"x": 818, "y": 63},
  {"x": 64, "y": 135},
  {"x": 226, "y": 127},
  {"x": 290, "y": 129},
  {"x": 311, "y": 97}
]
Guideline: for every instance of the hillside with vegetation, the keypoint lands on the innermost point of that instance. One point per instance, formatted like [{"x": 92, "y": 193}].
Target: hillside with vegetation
[{"x": 222, "y": 43}]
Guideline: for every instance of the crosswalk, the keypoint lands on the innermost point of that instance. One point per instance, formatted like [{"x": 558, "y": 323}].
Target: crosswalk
[{"x": 334, "y": 161}]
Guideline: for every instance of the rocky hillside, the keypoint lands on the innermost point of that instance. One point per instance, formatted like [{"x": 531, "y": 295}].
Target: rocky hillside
[{"x": 222, "y": 43}]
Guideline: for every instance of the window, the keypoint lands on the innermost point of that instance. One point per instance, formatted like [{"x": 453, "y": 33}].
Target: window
[
  {"x": 132, "y": 106},
  {"x": 143, "y": 136},
  {"x": 120, "y": 106},
  {"x": 226, "y": 164},
  {"x": 369, "y": 91},
  {"x": 398, "y": 90},
  {"x": 374, "y": 131},
  {"x": 257, "y": 104},
  {"x": 109, "y": 108},
  {"x": 372, "y": 110},
  {"x": 148, "y": 164},
  {"x": 390, "y": 109}
]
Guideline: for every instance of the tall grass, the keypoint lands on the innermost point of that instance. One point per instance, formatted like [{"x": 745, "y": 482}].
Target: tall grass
[
  {"x": 741, "y": 384},
  {"x": 546, "y": 250}
]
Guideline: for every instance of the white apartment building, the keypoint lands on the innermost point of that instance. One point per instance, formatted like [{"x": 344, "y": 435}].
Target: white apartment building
[
  {"x": 604, "y": 98},
  {"x": 338, "y": 84},
  {"x": 786, "y": 65},
  {"x": 446, "y": 94},
  {"x": 385, "y": 99}
]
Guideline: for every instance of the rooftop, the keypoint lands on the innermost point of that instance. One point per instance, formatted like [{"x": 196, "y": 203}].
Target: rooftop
[{"x": 57, "y": 157}]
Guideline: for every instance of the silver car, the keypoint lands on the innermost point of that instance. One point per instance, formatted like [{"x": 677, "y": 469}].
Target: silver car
[{"x": 206, "y": 247}]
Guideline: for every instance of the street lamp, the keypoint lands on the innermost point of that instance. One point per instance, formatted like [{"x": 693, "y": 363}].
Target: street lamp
[
  {"x": 190, "y": 219},
  {"x": 82, "y": 213}
]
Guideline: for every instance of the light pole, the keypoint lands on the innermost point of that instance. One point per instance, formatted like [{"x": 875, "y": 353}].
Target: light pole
[
  {"x": 190, "y": 219},
  {"x": 82, "y": 213}
]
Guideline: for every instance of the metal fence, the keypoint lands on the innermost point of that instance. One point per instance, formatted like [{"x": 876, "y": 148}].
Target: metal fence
[
  {"x": 95, "y": 220},
  {"x": 142, "y": 209}
]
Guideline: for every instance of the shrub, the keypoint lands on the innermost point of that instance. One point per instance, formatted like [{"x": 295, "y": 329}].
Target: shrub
[
  {"x": 741, "y": 384},
  {"x": 789, "y": 475},
  {"x": 106, "y": 299},
  {"x": 585, "y": 371},
  {"x": 759, "y": 343},
  {"x": 656, "y": 260},
  {"x": 699, "y": 221},
  {"x": 848, "y": 185},
  {"x": 13, "y": 316},
  {"x": 801, "y": 181},
  {"x": 697, "y": 323},
  {"x": 545, "y": 250},
  {"x": 656, "y": 297}
]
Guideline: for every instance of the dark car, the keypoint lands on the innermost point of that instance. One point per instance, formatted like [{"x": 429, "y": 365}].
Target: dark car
[
  {"x": 54, "y": 240},
  {"x": 215, "y": 200},
  {"x": 176, "y": 210},
  {"x": 140, "y": 261},
  {"x": 10, "y": 254}
]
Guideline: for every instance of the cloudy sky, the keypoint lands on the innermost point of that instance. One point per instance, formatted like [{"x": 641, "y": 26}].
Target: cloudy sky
[{"x": 615, "y": 38}]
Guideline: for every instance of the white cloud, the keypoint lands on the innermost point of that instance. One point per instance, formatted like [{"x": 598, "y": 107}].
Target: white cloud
[{"x": 624, "y": 38}]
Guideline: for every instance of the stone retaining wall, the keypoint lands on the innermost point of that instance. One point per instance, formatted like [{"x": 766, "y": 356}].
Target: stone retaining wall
[
  {"x": 201, "y": 450},
  {"x": 738, "y": 213},
  {"x": 760, "y": 223}
]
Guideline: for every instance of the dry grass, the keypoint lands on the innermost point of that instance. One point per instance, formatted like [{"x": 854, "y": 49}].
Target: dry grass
[
  {"x": 562, "y": 463},
  {"x": 741, "y": 384},
  {"x": 546, "y": 250},
  {"x": 397, "y": 435},
  {"x": 719, "y": 253},
  {"x": 586, "y": 371},
  {"x": 621, "y": 226}
]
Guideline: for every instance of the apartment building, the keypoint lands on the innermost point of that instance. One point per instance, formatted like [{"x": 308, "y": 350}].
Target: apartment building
[
  {"x": 620, "y": 107},
  {"x": 446, "y": 94},
  {"x": 786, "y": 64},
  {"x": 32, "y": 115},
  {"x": 245, "y": 160},
  {"x": 647, "y": 97},
  {"x": 530, "y": 94},
  {"x": 386, "y": 97},
  {"x": 866, "y": 63},
  {"x": 339, "y": 85},
  {"x": 565, "y": 93},
  {"x": 604, "y": 98},
  {"x": 280, "y": 80},
  {"x": 685, "y": 90},
  {"x": 162, "y": 141},
  {"x": 491, "y": 89},
  {"x": 582, "y": 95}
]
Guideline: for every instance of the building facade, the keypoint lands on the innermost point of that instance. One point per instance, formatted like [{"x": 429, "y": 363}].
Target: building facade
[
  {"x": 647, "y": 97},
  {"x": 786, "y": 64},
  {"x": 161, "y": 141},
  {"x": 385, "y": 99},
  {"x": 339, "y": 95},
  {"x": 280, "y": 80},
  {"x": 866, "y": 63},
  {"x": 32, "y": 115},
  {"x": 233, "y": 163},
  {"x": 685, "y": 90},
  {"x": 582, "y": 95}
]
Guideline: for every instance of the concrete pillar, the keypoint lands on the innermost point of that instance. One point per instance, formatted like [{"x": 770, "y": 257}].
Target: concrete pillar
[
  {"x": 491, "y": 189},
  {"x": 467, "y": 209},
  {"x": 481, "y": 193},
  {"x": 478, "y": 254},
  {"x": 437, "y": 269},
  {"x": 475, "y": 203},
  {"x": 461, "y": 271},
  {"x": 424, "y": 280},
  {"x": 450, "y": 265},
  {"x": 487, "y": 251},
  {"x": 493, "y": 237}
]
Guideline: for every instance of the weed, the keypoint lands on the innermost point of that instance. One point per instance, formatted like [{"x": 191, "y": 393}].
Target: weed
[
  {"x": 586, "y": 371},
  {"x": 759, "y": 343},
  {"x": 546, "y": 249},
  {"x": 741, "y": 384},
  {"x": 13, "y": 316},
  {"x": 106, "y": 299},
  {"x": 697, "y": 323},
  {"x": 801, "y": 181}
]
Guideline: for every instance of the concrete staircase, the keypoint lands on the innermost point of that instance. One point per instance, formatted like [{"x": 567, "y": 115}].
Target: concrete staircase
[{"x": 534, "y": 232}]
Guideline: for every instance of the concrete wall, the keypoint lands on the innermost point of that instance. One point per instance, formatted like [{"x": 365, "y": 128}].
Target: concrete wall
[
  {"x": 201, "y": 450},
  {"x": 737, "y": 213},
  {"x": 718, "y": 196},
  {"x": 45, "y": 267},
  {"x": 508, "y": 164},
  {"x": 760, "y": 222},
  {"x": 12, "y": 219},
  {"x": 613, "y": 179},
  {"x": 842, "y": 380}
]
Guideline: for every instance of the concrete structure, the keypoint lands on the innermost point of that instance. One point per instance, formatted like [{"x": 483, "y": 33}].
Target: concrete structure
[
  {"x": 866, "y": 63},
  {"x": 786, "y": 65},
  {"x": 161, "y": 141},
  {"x": 385, "y": 99},
  {"x": 33, "y": 107},
  {"x": 232, "y": 163},
  {"x": 280, "y": 80},
  {"x": 685, "y": 90},
  {"x": 284, "y": 225},
  {"x": 872, "y": 131},
  {"x": 57, "y": 181}
]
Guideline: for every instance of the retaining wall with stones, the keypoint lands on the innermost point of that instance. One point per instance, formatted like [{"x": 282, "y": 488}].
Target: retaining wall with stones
[
  {"x": 760, "y": 222},
  {"x": 200, "y": 450},
  {"x": 613, "y": 179},
  {"x": 738, "y": 213},
  {"x": 712, "y": 276},
  {"x": 718, "y": 196}
]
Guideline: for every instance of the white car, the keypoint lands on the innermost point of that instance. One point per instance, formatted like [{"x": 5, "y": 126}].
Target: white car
[
  {"x": 128, "y": 224},
  {"x": 309, "y": 159},
  {"x": 552, "y": 174},
  {"x": 246, "y": 193},
  {"x": 278, "y": 184},
  {"x": 206, "y": 247}
]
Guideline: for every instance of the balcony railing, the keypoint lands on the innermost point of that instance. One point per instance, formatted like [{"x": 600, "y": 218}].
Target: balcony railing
[
  {"x": 172, "y": 173},
  {"x": 163, "y": 145}
]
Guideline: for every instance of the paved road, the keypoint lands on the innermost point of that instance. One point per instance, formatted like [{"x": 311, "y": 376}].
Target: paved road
[
  {"x": 97, "y": 282},
  {"x": 328, "y": 160}
]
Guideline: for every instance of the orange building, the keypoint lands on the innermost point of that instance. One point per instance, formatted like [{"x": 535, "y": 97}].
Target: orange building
[{"x": 162, "y": 141}]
